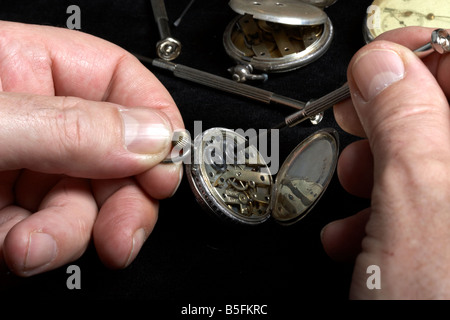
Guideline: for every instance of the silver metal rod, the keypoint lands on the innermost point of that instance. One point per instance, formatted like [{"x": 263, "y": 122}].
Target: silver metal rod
[
  {"x": 178, "y": 21},
  {"x": 425, "y": 48}
]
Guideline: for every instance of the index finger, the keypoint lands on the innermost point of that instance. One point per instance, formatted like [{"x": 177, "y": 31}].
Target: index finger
[{"x": 73, "y": 63}]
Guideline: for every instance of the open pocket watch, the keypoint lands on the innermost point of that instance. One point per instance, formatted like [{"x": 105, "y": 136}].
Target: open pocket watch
[
  {"x": 235, "y": 184},
  {"x": 278, "y": 36}
]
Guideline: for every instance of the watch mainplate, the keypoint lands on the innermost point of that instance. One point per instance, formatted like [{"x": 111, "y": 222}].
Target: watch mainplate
[{"x": 232, "y": 182}]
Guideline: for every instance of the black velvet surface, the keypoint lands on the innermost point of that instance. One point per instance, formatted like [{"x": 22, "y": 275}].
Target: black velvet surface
[{"x": 189, "y": 258}]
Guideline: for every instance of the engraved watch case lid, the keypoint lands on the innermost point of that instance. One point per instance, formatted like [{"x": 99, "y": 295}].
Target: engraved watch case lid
[
  {"x": 246, "y": 193},
  {"x": 320, "y": 3},
  {"x": 304, "y": 176},
  {"x": 292, "y": 12}
]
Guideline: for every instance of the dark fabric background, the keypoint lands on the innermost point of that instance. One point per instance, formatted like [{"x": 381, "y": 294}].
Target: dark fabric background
[{"x": 189, "y": 257}]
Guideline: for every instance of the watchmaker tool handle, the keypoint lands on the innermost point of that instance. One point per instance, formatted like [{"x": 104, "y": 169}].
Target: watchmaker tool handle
[
  {"x": 161, "y": 18},
  {"x": 224, "y": 84},
  {"x": 315, "y": 107}
]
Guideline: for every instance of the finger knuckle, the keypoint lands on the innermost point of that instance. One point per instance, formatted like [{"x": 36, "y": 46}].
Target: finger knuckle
[
  {"x": 403, "y": 124},
  {"x": 72, "y": 129}
]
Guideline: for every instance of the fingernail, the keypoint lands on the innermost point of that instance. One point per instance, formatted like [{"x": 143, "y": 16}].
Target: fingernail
[
  {"x": 42, "y": 250},
  {"x": 376, "y": 70},
  {"x": 146, "y": 131},
  {"x": 137, "y": 242}
]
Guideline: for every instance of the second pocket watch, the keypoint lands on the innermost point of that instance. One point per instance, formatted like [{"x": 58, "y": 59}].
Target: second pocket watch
[{"x": 278, "y": 36}]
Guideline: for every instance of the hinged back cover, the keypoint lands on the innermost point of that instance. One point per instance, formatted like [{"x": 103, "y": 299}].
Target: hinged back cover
[
  {"x": 304, "y": 176},
  {"x": 292, "y": 12}
]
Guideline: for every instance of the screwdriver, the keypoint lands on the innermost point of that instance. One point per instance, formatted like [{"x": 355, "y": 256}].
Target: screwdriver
[{"x": 220, "y": 83}]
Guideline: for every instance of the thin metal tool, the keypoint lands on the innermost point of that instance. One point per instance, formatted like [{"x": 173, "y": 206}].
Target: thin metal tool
[
  {"x": 167, "y": 48},
  {"x": 224, "y": 84},
  {"x": 178, "y": 21},
  {"x": 318, "y": 106},
  {"x": 440, "y": 42}
]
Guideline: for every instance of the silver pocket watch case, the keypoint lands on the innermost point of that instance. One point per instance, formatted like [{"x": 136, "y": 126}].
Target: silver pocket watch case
[
  {"x": 235, "y": 184},
  {"x": 320, "y": 3},
  {"x": 278, "y": 36}
]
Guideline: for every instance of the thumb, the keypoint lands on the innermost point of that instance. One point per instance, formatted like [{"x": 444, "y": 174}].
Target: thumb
[
  {"x": 80, "y": 138},
  {"x": 402, "y": 109},
  {"x": 406, "y": 118}
]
